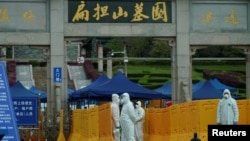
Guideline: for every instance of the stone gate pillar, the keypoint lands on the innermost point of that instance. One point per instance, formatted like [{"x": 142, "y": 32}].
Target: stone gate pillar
[
  {"x": 246, "y": 50},
  {"x": 182, "y": 52}
]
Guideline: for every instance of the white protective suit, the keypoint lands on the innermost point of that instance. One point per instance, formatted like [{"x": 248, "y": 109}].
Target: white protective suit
[
  {"x": 115, "y": 117},
  {"x": 227, "y": 110},
  {"x": 127, "y": 119},
  {"x": 140, "y": 113}
]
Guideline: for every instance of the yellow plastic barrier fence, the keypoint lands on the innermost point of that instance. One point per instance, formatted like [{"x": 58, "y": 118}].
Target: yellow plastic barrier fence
[
  {"x": 175, "y": 122},
  {"x": 242, "y": 106},
  {"x": 76, "y": 126},
  {"x": 202, "y": 113},
  {"x": 93, "y": 125},
  {"x": 248, "y": 113},
  {"x": 184, "y": 124},
  {"x": 154, "y": 124},
  {"x": 146, "y": 125},
  {"x": 105, "y": 123},
  {"x": 166, "y": 124}
]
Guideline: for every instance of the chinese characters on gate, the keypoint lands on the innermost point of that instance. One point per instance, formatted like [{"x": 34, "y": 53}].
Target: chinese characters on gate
[
  {"x": 119, "y": 11},
  {"x": 27, "y": 16},
  {"x": 231, "y": 18}
]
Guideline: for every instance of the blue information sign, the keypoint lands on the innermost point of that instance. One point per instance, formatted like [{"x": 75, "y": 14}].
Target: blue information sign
[
  {"x": 8, "y": 125},
  {"x": 57, "y": 74},
  {"x": 26, "y": 110}
]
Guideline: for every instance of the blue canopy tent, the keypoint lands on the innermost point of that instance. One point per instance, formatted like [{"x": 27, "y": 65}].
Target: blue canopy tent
[
  {"x": 197, "y": 86},
  {"x": 166, "y": 89},
  {"x": 218, "y": 85},
  {"x": 120, "y": 84},
  {"x": 81, "y": 92},
  {"x": 18, "y": 90},
  {"x": 43, "y": 94},
  {"x": 208, "y": 91}
]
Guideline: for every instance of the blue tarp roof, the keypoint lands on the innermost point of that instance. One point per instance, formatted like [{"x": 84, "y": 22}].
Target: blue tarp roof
[
  {"x": 43, "y": 94},
  {"x": 99, "y": 81},
  {"x": 197, "y": 86},
  {"x": 166, "y": 89},
  {"x": 18, "y": 90},
  {"x": 207, "y": 91},
  {"x": 120, "y": 84},
  {"x": 210, "y": 89},
  {"x": 218, "y": 85}
]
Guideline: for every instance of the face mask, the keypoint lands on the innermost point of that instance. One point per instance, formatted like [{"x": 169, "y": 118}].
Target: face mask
[
  {"x": 121, "y": 101},
  {"x": 226, "y": 96},
  {"x": 137, "y": 106}
]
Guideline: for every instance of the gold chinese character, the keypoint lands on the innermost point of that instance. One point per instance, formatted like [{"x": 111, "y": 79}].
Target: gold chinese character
[
  {"x": 207, "y": 18},
  {"x": 80, "y": 13},
  {"x": 120, "y": 13},
  {"x": 159, "y": 11},
  {"x": 4, "y": 16},
  {"x": 232, "y": 18},
  {"x": 101, "y": 11},
  {"x": 138, "y": 16},
  {"x": 28, "y": 16}
]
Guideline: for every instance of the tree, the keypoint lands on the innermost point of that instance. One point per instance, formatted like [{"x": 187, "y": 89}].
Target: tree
[{"x": 160, "y": 49}]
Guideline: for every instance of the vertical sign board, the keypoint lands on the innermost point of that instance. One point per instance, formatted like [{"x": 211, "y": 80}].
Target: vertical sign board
[
  {"x": 57, "y": 71},
  {"x": 8, "y": 125},
  {"x": 26, "y": 110}
]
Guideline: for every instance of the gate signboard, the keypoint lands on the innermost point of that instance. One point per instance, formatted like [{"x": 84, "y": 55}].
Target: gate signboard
[{"x": 118, "y": 11}]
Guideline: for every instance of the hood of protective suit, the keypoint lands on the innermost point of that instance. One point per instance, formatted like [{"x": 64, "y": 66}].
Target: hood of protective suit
[
  {"x": 125, "y": 98},
  {"x": 138, "y": 104},
  {"x": 226, "y": 93},
  {"x": 115, "y": 98}
]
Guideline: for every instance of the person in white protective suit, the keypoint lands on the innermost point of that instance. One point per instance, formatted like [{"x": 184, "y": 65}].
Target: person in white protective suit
[
  {"x": 115, "y": 117},
  {"x": 140, "y": 113},
  {"x": 227, "y": 110},
  {"x": 127, "y": 119}
]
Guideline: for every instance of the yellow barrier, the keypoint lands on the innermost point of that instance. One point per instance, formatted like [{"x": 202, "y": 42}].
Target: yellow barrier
[
  {"x": 242, "y": 106},
  {"x": 154, "y": 124},
  {"x": 146, "y": 125},
  {"x": 175, "y": 123},
  {"x": 93, "y": 118},
  {"x": 184, "y": 122},
  {"x": 76, "y": 126},
  {"x": 84, "y": 124},
  {"x": 202, "y": 113},
  {"x": 166, "y": 124},
  {"x": 105, "y": 123},
  {"x": 248, "y": 113}
]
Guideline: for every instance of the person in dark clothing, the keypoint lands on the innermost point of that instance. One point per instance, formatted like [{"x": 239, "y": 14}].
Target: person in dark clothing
[{"x": 195, "y": 138}]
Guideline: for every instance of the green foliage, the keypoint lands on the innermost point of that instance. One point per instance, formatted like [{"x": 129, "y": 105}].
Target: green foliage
[
  {"x": 115, "y": 44},
  {"x": 160, "y": 49}
]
